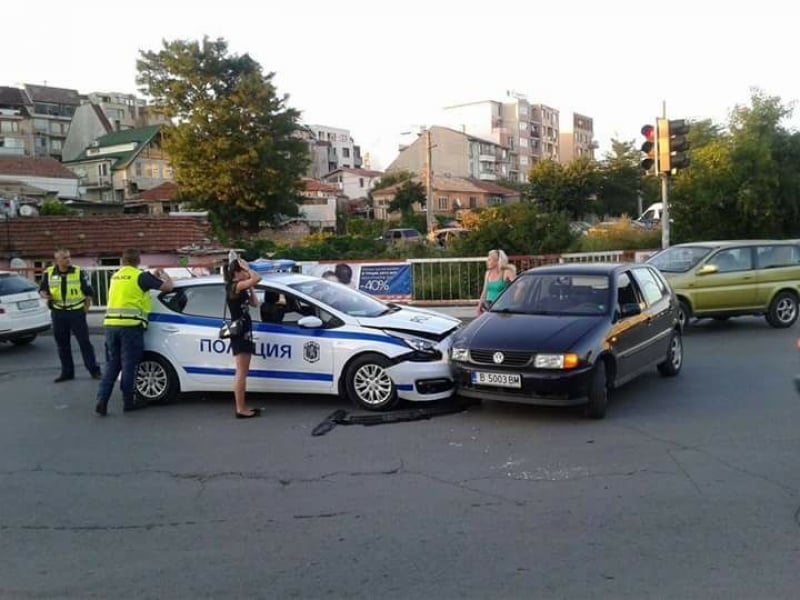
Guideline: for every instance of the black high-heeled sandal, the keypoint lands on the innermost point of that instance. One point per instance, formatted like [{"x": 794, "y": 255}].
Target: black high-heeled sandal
[{"x": 256, "y": 413}]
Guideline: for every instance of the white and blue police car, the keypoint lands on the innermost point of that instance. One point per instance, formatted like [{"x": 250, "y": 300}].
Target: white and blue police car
[{"x": 312, "y": 336}]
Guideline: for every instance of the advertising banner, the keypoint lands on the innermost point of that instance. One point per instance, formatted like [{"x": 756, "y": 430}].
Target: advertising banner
[{"x": 384, "y": 280}]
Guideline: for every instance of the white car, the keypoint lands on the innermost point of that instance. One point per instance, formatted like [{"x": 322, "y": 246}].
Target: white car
[
  {"x": 312, "y": 336},
  {"x": 23, "y": 313}
]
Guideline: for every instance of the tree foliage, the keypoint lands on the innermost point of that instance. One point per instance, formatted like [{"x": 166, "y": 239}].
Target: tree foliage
[{"x": 234, "y": 143}]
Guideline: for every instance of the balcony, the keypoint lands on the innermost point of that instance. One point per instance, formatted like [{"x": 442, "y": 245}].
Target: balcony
[
  {"x": 487, "y": 158},
  {"x": 487, "y": 176}
]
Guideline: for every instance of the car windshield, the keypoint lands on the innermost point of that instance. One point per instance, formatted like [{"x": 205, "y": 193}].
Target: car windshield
[
  {"x": 14, "y": 284},
  {"x": 555, "y": 294},
  {"x": 678, "y": 259},
  {"x": 343, "y": 298}
]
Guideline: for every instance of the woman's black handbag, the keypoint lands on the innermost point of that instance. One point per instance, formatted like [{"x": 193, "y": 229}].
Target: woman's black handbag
[{"x": 229, "y": 328}]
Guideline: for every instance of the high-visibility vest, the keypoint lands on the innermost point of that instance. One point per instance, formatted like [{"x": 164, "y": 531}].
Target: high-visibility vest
[
  {"x": 128, "y": 305},
  {"x": 75, "y": 295}
]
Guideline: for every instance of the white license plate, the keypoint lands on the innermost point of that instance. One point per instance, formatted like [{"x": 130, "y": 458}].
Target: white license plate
[
  {"x": 506, "y": 380},
  {"x": 28, "y": 304}
]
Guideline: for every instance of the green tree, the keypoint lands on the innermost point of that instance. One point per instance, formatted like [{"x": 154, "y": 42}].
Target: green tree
[
  {"x": 621, "y": 182},
  {"x": 234, "y": 143},
  {"x": 568, "y": 188},
  {"x": 408, "y": 194}
]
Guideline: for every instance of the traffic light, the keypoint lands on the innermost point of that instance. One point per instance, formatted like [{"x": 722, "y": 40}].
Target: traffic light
[
  {"x": 648, "y": 147},
  {"x": 673, "y": 145}
]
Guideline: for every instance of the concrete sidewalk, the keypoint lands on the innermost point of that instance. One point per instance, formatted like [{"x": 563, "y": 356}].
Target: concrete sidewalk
[{"x": 95, "y": 316}]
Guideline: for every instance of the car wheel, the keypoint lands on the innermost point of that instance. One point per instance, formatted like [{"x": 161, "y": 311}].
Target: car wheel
[
  {"x": 156, "y": 381},
  {"x": 684, "y": 314},
  {"x": 598, "y": 392},
  {"x": 23, "y": 339},
  {"x": 782, "y": 310},
  {"x": 368, "y": 383},
  {"x": 674, "y": 361}
]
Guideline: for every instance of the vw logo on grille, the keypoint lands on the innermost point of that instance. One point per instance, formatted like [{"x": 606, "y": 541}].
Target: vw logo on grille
[{"x": 498, "y": 357}]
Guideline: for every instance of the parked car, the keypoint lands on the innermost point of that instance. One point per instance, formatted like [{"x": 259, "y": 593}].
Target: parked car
[
  {"x": 23, "y": 313},
  {"x": 314, "y": 336},
  {"x": 567, "y": 334},
  {"x": 724, "y": 279},
  {"x": 403, "y": 236},
  {"x": 443, "y": 237}
]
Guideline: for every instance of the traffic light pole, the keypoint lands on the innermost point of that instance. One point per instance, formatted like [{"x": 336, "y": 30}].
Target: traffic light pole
[{"x": 664, "y": 210}]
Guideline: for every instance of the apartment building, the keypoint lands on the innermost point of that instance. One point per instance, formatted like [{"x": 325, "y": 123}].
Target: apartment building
[
  {"x": 577, "y": 141},
  {"x": 51, "y": 110},
  {"x": 355, "y": 184},
  {"x": 529, "y": 131},
  {"x": 16, "y": 125},
  {"x": 331, "y": 148},
  {"x": 454, "y": 154},
  {"x": 124, "y": 111}
]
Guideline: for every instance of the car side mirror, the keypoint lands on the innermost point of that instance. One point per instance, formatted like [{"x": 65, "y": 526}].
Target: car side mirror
[
  {"x": 629, "y": 309},
  {"x": 310, "y": 322},
  {"x": 708, "y": 270}
]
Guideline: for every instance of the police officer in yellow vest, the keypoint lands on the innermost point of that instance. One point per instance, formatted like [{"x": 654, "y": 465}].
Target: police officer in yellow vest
[
  {"x": 125, "y": 321},
  {"x": 69, "y": 296}
]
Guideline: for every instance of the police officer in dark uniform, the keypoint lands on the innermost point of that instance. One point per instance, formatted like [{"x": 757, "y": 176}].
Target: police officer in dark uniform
[{"x": 69, "y": 296}]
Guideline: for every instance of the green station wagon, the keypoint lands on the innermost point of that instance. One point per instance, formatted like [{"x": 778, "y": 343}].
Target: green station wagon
[{"x": 733, "y": 278}]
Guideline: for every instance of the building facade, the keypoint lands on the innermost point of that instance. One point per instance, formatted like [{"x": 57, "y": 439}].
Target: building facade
[
  {"x": 355, "y": 184},
  {"x": 577, "y": 141},
  {"x": 454, "y": 154},
  {"x": 332, "y": 148}
]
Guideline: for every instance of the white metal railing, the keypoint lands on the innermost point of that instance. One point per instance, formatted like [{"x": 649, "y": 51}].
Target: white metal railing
[{"x": 434, "y": 280}]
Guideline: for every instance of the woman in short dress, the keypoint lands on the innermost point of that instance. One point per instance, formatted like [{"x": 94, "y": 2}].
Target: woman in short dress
[{"x": 239, "y": 283}]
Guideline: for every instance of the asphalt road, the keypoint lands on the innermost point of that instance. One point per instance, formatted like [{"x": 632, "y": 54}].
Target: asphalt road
[{"x": 690, "y": 488}]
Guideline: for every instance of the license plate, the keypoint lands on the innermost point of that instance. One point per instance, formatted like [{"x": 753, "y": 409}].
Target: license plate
[
  {"x": 28, "y": 304},
  {"x": 506, "y": 380}
]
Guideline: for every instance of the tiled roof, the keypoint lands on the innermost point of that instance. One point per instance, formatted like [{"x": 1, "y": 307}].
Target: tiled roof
[
  {"x": 455, "y": 184},
  {"x": 359, "y": 172},
  {"x": 312, "y": 185},
  {"x": 164, "y": 191},
  {"x": 45, "y": 93},
  {"x": 141, "y": 136},
  {"x": 37, "y": 237},
  {"x": 34, "y": 167}
]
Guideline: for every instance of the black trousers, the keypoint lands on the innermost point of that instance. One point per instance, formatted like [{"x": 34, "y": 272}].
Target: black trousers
[{"x": 65, "y": 324}]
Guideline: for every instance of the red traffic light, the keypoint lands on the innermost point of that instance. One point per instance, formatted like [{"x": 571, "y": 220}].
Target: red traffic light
[{"x": 649, "y": 132}]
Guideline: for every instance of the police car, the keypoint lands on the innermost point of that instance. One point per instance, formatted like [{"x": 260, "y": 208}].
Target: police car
[{"x": 312, "y": 336}]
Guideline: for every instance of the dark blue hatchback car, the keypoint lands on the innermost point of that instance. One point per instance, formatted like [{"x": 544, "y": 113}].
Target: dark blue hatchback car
[{"x": 566, "y": 334}]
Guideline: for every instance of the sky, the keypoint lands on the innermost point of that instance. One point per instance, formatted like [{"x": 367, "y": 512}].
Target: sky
[{"x": 383, "y": 68}]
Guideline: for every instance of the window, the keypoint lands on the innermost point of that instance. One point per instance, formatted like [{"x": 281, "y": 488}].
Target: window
[
  {"x": 626, "y": 291},
  {"x": 770, "y": 257},
  {"x": 11, "y": 142},
  {"x": 201, "y": 300},
  {"x": 345, "y": 152},
  {"x": 444, "y": 204},
  {"x": 732, "y": 259},
  {"x": 137, "y": 168},
  {"x": 523, "y": 126},
  {"x": 277, "y": 306},
  {"x": 473, "y": 202},
  {"x": 361, "y": 182},
  {"x": 523, "y": 142},
  {"x": 55, "y": 145},
  {"x": 9, "y": 126},
  {"x": 102, "y": 169},
  {"x": 652, "y": 288}
]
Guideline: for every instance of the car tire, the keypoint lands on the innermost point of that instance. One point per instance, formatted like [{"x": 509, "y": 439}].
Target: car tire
[
  {"x": 598, "y": 392},
  {"x": 782, "y": 310},
  {"x": 368, "y": 384},
  {"x": 674, "y": 361},
  {"x": 684, "y": 314},
  {"x": 156, "y": 381},
  {"x": 23, "y": 339}
]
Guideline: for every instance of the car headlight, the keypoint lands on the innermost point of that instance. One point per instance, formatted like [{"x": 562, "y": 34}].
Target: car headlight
[
  {"x": 459, "y": 354},
  {"x": 416, "y": 343},
  {"x": 556, "y": 361}
]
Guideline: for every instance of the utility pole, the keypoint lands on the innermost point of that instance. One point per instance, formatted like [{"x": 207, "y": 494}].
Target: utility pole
[{"x": 429, "y": 181}]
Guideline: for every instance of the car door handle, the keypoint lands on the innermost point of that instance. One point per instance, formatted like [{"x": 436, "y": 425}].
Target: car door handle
[{"x": 171, "y": 329}]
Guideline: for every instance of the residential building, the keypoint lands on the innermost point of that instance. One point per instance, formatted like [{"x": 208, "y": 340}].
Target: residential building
[
  {"x": 455, "y": 154},
  {"x": 318, "y": 205},
  {"x": 577, "y": 140},
  {"x": 334, "y": 149},
  {"x": 159, "y": 200},
  {"x": 120, "y": 165},
  {"x": 124, "y": 111},
  {"x": 355, "y": 184},
  {"x": 34, "y": 180},
  {"x": 450, "y": 195},
  {"x": 51, "y": 110},
  {"x": 16, "y": 125},
  {"x": 529, "y": 131}
]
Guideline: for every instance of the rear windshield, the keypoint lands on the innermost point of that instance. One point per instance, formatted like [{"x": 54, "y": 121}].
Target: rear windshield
[{"x": 14, "y": 284}]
